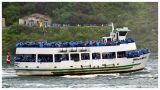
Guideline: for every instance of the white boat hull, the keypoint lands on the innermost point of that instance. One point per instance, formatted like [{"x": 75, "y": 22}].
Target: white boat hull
[{"x": 118, "y": 65}]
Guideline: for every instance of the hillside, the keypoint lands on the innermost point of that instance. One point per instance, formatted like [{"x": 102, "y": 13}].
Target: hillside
[{"x": 141, "y": 18}]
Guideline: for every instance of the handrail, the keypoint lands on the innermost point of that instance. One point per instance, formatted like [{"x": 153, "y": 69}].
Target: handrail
[{"x": 73, "y": 44}]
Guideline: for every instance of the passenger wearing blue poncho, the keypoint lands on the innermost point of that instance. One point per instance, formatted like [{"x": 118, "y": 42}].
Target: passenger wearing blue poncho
[
  {"x": 73, "y": 44},
  {"x": 137, "y": 53}
]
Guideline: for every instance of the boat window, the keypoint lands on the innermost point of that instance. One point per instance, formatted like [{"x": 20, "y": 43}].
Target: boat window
[
  {"x": 109, "y": 40},
  {"x": 96, "y": 56},
  {"x": 74, "y": 57},
  {"x": 122, "y": 33},
  {"x": 25, "y": 58},
  {"x": 45, "y": 58},
  {"x": 61, "y": 57},
  {"x": 121, "y": 54},
  {"x": 85, "y": 56},
  {"x": 108, "y": 55}
]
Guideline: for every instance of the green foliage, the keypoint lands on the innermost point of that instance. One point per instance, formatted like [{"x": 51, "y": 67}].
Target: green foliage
[{"x": 79, "y": 12}]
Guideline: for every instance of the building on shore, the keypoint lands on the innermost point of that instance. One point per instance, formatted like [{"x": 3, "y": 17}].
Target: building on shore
[{"x": 35, "y": 19}]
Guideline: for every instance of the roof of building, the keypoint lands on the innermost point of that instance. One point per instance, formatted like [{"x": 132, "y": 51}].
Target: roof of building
[
  {"x": 122, "y": 29},
  {"x": 35, "y": 15}
]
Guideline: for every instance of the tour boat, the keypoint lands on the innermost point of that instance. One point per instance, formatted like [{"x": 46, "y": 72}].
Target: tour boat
[{"x": 113, "y": 54}]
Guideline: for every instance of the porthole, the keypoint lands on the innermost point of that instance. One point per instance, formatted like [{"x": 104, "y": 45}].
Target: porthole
[
  {"x": 113, "y": 65},
  {"x": 16, "y": 66},
  {"x": 104, "y": 65},
  {"x": 26, "y": 66},
  {"x": 81, "y": 66}
]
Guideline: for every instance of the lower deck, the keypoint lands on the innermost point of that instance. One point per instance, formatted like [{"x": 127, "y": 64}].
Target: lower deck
[
  {"x": 81, "y": 67},
  {"x": 60, "y": 72}
]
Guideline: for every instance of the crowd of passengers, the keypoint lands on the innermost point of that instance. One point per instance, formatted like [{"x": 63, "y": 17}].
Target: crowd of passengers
[
  {"x": 32, "y": 59},
  {"x": 45, "y": 59},
  {"x": 24, "y": 59},
  {"x": 67, "y": 25},
  {"x": 130, "y": 54},
  {"x": 137, "y": 53},
  {"x": 73, "y": 44},
  {"x": 108, "y": 56}
]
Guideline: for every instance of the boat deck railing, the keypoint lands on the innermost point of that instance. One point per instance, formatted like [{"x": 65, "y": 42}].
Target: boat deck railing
[
  {"x": 73, "y": 44},
  {"x": 137, "y": 53}
]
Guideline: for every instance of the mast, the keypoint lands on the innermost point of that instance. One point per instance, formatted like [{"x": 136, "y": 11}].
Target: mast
[
  {"x": 112, "y": 34},
  {"x": 112, "y": 27}
]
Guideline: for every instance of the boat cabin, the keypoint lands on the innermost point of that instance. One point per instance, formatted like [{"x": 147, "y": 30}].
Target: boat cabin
[
  {"x": 121, "y": 33},
  {"x": 117, "y": 35},
  {"x": 107, "y": 39}
]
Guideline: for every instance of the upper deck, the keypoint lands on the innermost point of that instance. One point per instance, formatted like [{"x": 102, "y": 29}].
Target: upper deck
[
  {"x": 73, "y": 44},
  {"x": 45, "y": 50}
]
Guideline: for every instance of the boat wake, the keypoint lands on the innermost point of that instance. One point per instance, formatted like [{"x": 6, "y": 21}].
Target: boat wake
[
  {"x": 80, "y": 76},
  {"x": 91, "y": 76},
  {"x": 8, "y": 72}
]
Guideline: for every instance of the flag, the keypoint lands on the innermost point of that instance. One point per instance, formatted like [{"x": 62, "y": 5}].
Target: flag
[
  {"x": 8, "y": 60},
  {"x": 41, "y": 24}
]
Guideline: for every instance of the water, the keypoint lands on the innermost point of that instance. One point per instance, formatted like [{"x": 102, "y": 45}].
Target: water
[{"x": 147, "y": 78}]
